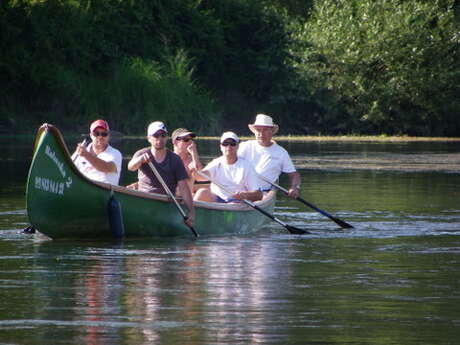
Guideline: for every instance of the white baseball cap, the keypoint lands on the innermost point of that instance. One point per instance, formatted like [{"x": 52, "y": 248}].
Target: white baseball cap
[
  {"x": 229, "y": 135},
  {"x": 155, "y": 127}
]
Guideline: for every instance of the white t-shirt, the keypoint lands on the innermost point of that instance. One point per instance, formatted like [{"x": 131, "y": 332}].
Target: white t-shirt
[
  {"x": 237, "y": 177},
  {"x": 110, "y": 154},
  {"x": 269, "y": 161}
]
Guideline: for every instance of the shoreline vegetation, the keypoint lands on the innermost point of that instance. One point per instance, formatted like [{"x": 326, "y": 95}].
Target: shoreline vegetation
[
  {"x": 318, "y": 67},
  {"x": 339, "y": 138},
  {"x": 287, "y": 138}
]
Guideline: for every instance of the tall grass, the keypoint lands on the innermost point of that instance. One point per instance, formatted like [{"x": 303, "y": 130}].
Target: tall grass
[
  {"x": 130, "y": 95},
  {"x": 137, "y": 92}
]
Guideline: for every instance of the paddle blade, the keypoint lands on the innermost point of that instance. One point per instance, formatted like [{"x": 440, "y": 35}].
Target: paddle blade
[
  {"x": 339, "y": 222},
  {"x": 194, "y": 232},
  {"x": 297, "y": 231},
  {"x": 342, "y": 223}
]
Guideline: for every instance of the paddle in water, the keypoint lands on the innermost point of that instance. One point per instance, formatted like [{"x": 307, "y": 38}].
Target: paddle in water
[
  {"x": 170, "y": 194},
  {"x": 339, "y": 222},
  {"x": 290, "y": 228}
]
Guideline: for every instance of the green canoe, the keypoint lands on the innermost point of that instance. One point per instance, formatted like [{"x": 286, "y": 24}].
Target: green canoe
[{"x": 63, "y": 203}]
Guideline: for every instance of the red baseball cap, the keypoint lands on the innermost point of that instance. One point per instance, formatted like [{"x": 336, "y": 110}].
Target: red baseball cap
[{"x": 99, "y": 123}]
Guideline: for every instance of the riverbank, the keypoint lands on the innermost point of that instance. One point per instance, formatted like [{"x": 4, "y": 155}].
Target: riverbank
[
  {"x": 381, "y": 138},
  {"x": 345, "y": 138}
]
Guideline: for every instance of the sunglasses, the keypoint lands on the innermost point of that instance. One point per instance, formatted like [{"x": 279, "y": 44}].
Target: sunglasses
[
  {"x": 159, "y": 135},
  {"x": 100, "y": 134},
  {"x": 185, "y": 140},
  {"x": 226, "y": 143}
]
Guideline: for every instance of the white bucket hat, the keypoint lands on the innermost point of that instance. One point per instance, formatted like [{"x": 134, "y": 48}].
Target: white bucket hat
[
  {"x": 229, "y": 135},
  {"x": 155, "y": 127},
  {"x": 264, "y": 121}
]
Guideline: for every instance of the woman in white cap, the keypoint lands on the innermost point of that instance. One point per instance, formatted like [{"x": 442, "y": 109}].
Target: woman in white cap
[
  {"x": 168, "y": 164},
  {"x": 269, "y": 158},
  {"x": 99, "y": 161},
  {"x": 235, "y": 175}
]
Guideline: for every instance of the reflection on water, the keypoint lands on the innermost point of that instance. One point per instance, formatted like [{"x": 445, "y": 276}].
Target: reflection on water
[
  {"x": 393, "y": 279},
  {"x": 278, "y": 289}
]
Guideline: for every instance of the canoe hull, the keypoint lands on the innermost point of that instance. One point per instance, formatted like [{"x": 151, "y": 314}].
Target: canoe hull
[{"x": 62, "y": 203}]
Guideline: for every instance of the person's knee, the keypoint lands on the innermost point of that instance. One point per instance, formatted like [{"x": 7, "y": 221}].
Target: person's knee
[
  {"x": 199, "y": 194},
  {"x": 203, "y": 194}
]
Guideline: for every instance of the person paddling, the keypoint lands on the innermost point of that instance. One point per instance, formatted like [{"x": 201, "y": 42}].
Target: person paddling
[
  {"x": 269, "y": 158},
  {"x": 99, "y": 161},
  {"x": 167, "y": 163}
]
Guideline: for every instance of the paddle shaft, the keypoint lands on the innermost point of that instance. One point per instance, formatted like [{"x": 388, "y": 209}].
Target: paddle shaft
[
  {"x": 250, "y": 203},
  {"x": 291, "y": 229},
  {"x": 170, "y": 194},
  {"x": 339, "y": 222},
  {"x": 84, "y": 143}
]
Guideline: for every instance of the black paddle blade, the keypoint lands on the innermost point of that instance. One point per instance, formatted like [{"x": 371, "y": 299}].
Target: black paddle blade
[
  {"x": 342, "y": 223},
  {"x": 193, "y": 230},
  {"x": 29, "y": 230},
  {"x": 297, "y": 231}
]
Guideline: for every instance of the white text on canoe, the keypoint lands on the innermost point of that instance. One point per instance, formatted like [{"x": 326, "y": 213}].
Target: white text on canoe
[{"x": 48, "y": 185}]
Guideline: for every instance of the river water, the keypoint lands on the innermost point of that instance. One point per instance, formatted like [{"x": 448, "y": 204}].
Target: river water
[{"x": 392, "y": 279}]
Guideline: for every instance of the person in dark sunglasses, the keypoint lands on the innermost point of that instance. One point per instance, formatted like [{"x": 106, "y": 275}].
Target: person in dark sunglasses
[
  {"x": 99, "y": 161},
  {"x": 168, "y": 164},
  {"x": 185, "y": 147},
  {"x": 234, "y": 174}
]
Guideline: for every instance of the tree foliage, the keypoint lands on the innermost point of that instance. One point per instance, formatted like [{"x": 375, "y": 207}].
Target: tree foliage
[
  {"x": 345, "y": 66},
  {"x": 394, "y": 66}
]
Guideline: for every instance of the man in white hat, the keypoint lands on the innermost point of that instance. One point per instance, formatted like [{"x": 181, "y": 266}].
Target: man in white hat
[
  {"x": 236, "y": 175},
  {"x": 99, "y": 161},
  {"x": 168, "y": 164},
  {"x": 269, "y": 159}
]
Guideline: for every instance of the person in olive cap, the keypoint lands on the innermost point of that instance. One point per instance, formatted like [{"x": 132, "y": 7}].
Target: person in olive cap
[{"x": 185, "y": 147}]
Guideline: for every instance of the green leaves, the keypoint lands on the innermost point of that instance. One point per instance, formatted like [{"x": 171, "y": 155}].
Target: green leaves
[{"x": 389, "y": 62}]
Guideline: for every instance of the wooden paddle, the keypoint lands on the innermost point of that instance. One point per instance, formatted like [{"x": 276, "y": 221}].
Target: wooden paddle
[
  {"x": 339, "y": 222},
  {"x": 170, "y": 194},
  {"x": 290, "y": 228}
]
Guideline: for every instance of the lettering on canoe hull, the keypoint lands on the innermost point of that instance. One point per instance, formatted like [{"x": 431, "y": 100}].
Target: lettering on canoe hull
[
  {"x": 51, "y": 154},
  {"x": 48, "y": 185}
]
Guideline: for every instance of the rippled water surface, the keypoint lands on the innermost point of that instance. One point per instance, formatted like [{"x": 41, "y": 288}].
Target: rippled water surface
[{"x": 393, "y": 279}]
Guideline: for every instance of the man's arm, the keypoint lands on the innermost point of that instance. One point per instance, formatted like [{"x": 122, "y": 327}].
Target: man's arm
[
  {"x": 137, "y": 161},
  {"x": 251, "y": 196},
  {"x": 200, "y": 177},
  {"x": 294, "y": 189},
  {"x": 96, "y": 162},
  {"x": 192, "y": 149},
  {"x": 186, "y": 194}
]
